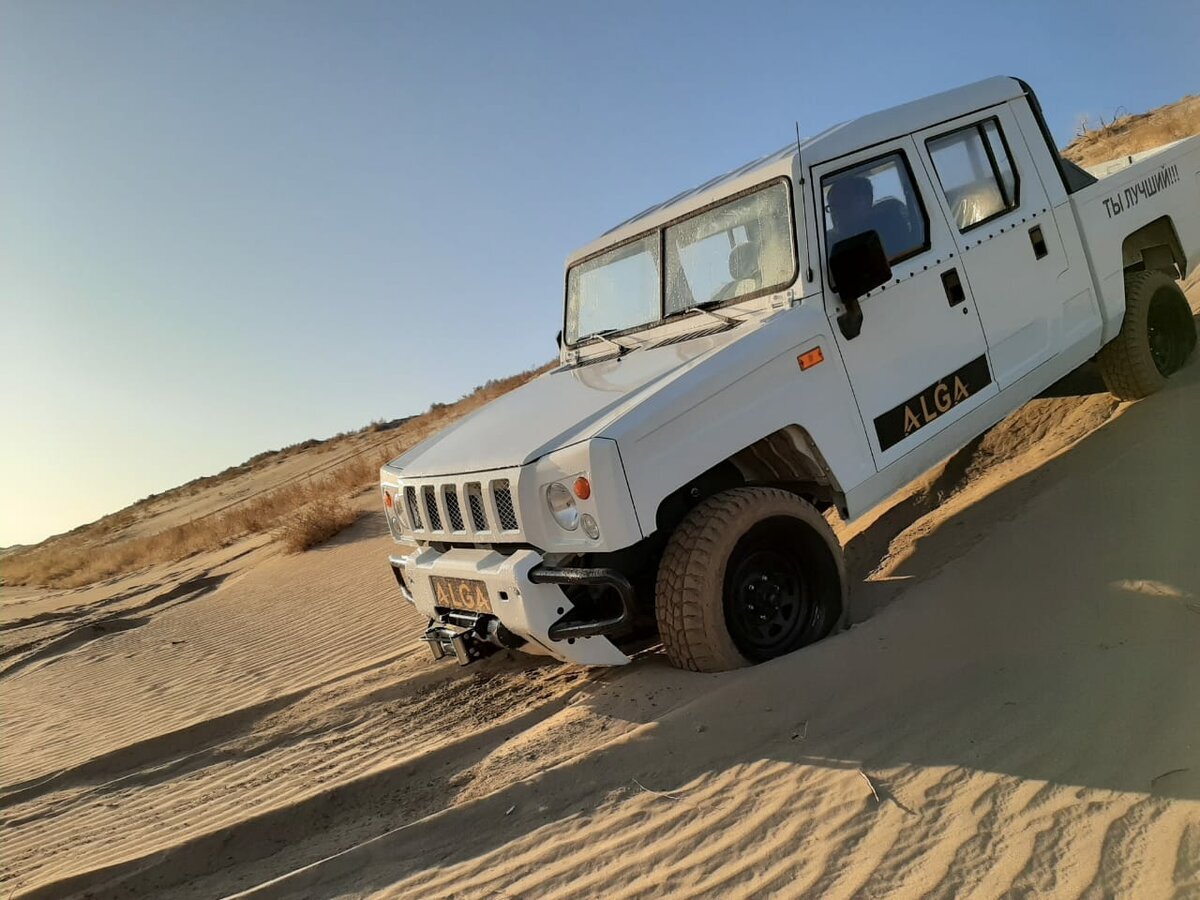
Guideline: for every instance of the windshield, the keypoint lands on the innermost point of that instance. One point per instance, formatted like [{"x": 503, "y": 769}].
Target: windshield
[
  {"x": 742, "y": 247},
  {"x": 615, "y": 290}
]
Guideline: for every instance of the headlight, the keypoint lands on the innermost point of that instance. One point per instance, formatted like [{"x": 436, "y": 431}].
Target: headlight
[{"x": 562, "y": 506}]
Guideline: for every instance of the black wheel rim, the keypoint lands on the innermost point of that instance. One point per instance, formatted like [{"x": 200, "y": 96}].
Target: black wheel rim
[
  {"x": 771, "y": 596},
  {"x": 1165, "y": 329}
]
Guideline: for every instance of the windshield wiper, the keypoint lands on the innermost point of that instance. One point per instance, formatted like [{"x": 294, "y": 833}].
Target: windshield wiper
[
  {"x": 605, "y": 336},
  {"x": 705, "y": 308}
]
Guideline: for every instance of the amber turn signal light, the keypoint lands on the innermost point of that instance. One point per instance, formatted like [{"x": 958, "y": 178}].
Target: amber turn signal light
[
  {"x": 583, "y": 488},
  {"x": 810, "y": 358},
  {"x": 387, "y": 499}
]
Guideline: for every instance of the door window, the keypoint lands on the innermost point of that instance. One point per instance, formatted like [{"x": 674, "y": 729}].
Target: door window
[
  {"x": 877, "y": 195},
  {"x": 977, "y": 173}
]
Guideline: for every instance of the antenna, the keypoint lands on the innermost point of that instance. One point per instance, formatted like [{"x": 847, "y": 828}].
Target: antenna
[{"x": 803, "y": 208}]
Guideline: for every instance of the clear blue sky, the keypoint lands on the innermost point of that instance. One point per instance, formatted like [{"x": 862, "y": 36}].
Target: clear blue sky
[{"x": 228, "y": 226}]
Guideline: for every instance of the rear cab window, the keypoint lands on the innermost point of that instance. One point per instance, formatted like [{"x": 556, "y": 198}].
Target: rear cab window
[
  {"x": 876, "y": 195},
  {"x": 976, "y": 172}
]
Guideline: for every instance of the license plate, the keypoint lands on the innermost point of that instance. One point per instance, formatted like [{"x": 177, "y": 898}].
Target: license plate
[{"x": 461, "y": 593}]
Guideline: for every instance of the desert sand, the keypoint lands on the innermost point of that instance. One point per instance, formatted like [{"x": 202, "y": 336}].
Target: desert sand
[{"x": 1015, "y": 713}]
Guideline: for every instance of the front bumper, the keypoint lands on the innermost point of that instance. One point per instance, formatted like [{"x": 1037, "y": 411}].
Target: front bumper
[{"x": 525, "y": 598}]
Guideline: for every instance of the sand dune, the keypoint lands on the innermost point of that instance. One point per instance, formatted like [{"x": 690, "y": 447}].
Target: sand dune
[
  {"x": 1014, "y": 714},
  {"x": 1027, "y": 730}
]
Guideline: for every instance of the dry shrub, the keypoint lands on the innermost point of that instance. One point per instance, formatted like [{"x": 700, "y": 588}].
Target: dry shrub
[
  {"x": 315, "y": 523},
  {"x": 1127, "y": 135},
  {"x": 300, "y": 515}
]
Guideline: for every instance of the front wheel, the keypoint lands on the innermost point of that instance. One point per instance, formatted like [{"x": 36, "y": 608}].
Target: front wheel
[
  {"x": 1157, "y": 336},
  {"x": 750, "y": 574}
]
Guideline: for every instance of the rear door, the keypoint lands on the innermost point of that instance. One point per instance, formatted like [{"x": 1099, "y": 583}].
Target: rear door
[
  {"x": 920, "y": 361},
  {"x": 986, "y": 184}
]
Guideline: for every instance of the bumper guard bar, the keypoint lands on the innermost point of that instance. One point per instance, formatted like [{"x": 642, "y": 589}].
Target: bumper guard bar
[{"x": 567, "y": 627}]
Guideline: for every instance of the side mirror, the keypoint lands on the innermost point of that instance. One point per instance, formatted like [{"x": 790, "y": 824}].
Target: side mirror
[
  {"x": 558, "y": 339},
  {"x": 858, "y": 265}
]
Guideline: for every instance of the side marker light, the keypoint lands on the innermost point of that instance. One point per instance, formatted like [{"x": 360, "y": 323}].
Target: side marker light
[{"x": 810, "y": 358}]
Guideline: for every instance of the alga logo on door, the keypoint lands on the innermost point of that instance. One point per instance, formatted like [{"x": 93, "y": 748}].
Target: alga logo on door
[
  {"x": 930, "y": 404},
  {"x": 942, "y": 401}
]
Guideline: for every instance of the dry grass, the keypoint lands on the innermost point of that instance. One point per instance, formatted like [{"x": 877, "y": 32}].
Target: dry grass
[
  {"x": 315, "y": 523},
  {"x": 1127, "y": 134},
  {"x": 299, "y": 516}
]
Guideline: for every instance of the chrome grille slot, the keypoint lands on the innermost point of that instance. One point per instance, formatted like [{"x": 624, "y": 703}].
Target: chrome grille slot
[
  {"x": 475, "y": 502},
  {"x": 414, "y": 511},
  {"x": 435, "y": 518},
  {"x": 507, "y": 515},
  {"x": 453, "y": 510}
]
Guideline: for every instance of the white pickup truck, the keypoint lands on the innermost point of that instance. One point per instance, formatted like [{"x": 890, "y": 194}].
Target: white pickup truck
[{"x": 812, "y": 330}]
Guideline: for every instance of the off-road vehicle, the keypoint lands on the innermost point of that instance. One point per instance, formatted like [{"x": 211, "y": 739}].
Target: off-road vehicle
[{"x": 812, "y": 330}]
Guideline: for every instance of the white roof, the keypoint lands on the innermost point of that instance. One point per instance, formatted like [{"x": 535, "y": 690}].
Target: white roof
[{"x": 829, "y": 144}]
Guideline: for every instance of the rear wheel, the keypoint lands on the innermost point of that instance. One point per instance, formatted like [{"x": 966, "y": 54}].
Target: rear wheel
[
  {"x": 1157, "y": 336},
  {"x": 750, "y": 574}
]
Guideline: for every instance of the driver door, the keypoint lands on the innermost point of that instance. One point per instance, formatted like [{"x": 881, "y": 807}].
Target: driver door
[{"x": 920, "y": 361}]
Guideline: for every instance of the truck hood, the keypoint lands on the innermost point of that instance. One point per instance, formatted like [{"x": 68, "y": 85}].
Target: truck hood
[{"x": 561, "y": 407}]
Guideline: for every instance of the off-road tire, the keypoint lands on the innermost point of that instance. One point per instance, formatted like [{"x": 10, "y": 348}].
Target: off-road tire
[
  {"x": 690, "y": 602},
  {"x": 1127, "y": 363}
]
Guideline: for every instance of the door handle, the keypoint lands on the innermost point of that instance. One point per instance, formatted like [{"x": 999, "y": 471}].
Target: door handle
[
  {"x": 1038, "y": 240},
  {"x": 953, "y": 285}
]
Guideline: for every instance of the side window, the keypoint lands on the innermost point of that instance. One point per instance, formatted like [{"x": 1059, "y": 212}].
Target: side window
[
  {"x": 877, "y": 195},
  {"x": 977, "y": 173}
]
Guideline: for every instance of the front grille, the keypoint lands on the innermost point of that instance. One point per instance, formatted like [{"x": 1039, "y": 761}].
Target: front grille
[
  {"x": 453, "y": 512},
  {"x": 504, "y": 505},
  {"x": 414, "y": 511},
  {"x": 482, "y": 510},
  {"x": 435, "y": 518},
  {"x": 475, "y": 502}
]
